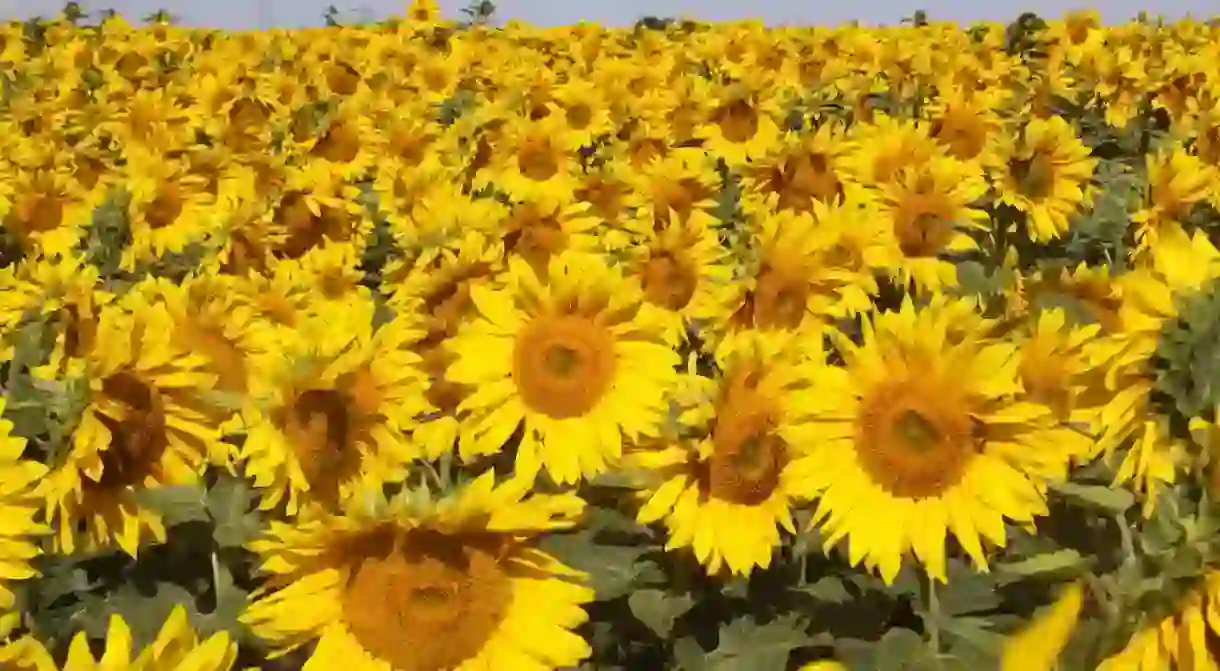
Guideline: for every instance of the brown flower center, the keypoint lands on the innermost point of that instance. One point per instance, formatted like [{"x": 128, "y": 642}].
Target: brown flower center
[
  {"x": 563, "y": 364},
  {"x": 1035, "y": 176},
  {"x": 748, "y": 457},
  {"x": 537, "y": 159},
  {"x": 779, "y": 299},
  {"x": 668, "y": 281},
  {"x": 321, "y": 427},
  {"x": 738, "y": 121},
  {"x": 914, "y": 441},
  {"x": 165, "y": 209},
  {"x": 424, "y": 601},
  {"x": 137, "y": 435}
]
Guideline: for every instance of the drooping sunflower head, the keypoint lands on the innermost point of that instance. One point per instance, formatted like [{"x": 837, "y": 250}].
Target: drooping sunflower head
[
  {"x": 144, "y": 425},
  {"x": 576, "y": 354},
  {"x": 446, "y": 585},
  {"x": 327, "y": 413},
  {"x": 923, "y": 426},
  {"x": 730, "y": 467}
]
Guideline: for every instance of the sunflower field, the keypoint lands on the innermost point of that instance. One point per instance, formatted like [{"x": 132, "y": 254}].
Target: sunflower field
[{"x": 706, "y": 347}]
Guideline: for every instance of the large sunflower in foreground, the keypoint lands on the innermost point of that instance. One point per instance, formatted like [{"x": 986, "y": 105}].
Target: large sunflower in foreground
[
  {"x": 176, "y": 648},
  {"x": 922, "y": 428},
  {"x": 725, "y": 488},
  {"x": 457, "y": 584},
  {"x": 144, "y": 426},
  {"x": 330, "y": 409},
  {"x": 577, "y": 356},
  {"x": 17, "y": 509}
]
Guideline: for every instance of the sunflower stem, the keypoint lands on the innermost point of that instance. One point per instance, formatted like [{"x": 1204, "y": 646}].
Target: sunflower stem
[{"x": 933, "y": 621}]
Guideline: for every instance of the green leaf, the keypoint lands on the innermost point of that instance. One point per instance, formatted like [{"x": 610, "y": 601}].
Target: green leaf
[
  {"x": 1059, "y": 561},
  {"x": 746, "y": 645},
  {"x": 229, "y": 504},
  {"x": 612, "y": 569},
  {"x": 658, "y": 609},
  {"x": 175, "y": 503},
  {"x": 967, "y": 591},
  {"x": 1109, "y": 499},
  {"x": 829, "y": 589}
]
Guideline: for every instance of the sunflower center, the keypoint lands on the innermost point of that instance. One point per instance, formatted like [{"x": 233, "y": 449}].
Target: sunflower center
[
  {"x": 536, "y": 159},
  {"x": 165, "y": 209},
  {"x": 563, "y": 365},
  {"x": 668, "y": 282},
  {"x": 41, "y": 212},
  {"x": 430, "y": 601},
  {"x": 779, "y": 300},
  {"x": 1035, "y": 176},
  {"x": 912, "y": 443},
  {"x": 320, "y": 426},
  {"x": 748, "y": 456},
  {"x": 921, "y": 232},
  {"x": 738, "y": 121},
  {"x": 137, "y": 434},
  {"x": 340, "y": 144}
]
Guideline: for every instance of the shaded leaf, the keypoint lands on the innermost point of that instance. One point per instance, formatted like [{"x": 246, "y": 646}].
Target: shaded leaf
[
  {"x": 746, "y": 645},
  {"x": 1110, "y": 499},
  {"x": 829, "y": 589},
  {"x": 1048, "y": 562},
  {"x": 229, "y": 504},
  {"x": 175, "y": 503},
  {"x": 658, "y": 609}
]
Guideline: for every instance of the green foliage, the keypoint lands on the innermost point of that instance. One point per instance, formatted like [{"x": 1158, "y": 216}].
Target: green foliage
[{"x": 1188, "y": 358}]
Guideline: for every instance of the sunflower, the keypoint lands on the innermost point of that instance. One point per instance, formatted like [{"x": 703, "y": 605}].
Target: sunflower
[
  {"x": 329, "y": 409},
  {"x": 804, "y": 168},
  {"x": 536, "y": 160},
  {"x": 1181, "y": 640},
  {"x": 143, "y": 426},
  {"x": 683, "y": 270},
  {"x": 1045, "y": 173},
  {"x": 1176, "y": 182},
  {"x": 576, "y": 355},
  {"x": 741, "y": 124},
  {"x": 923, "y": 427},
  {"x": 47, "y": 214},
  {"x": 931, "y": 207},
  {"x": 455, "y": 584},
  {"x": 725, "y": 488},
  {"x": 168, "y": 208},
  {"x": 806, "y": 270},
  {"x": 887, "y": 145},
  {"x": 211, "y": 320},
  {"x": 17, "y": 509},
  {"x": 175, "y": 648},
  {"x": 680, "y": 185},
  {"x": 436, "y": 290},
  {"x": 1058, "y": 369}
]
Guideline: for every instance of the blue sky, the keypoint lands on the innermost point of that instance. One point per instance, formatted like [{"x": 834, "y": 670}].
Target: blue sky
[{"x": 255, "y": 13}]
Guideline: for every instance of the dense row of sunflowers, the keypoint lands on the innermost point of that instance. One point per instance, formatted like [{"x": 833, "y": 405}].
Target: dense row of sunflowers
[{"x": 422, "y": 289}]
